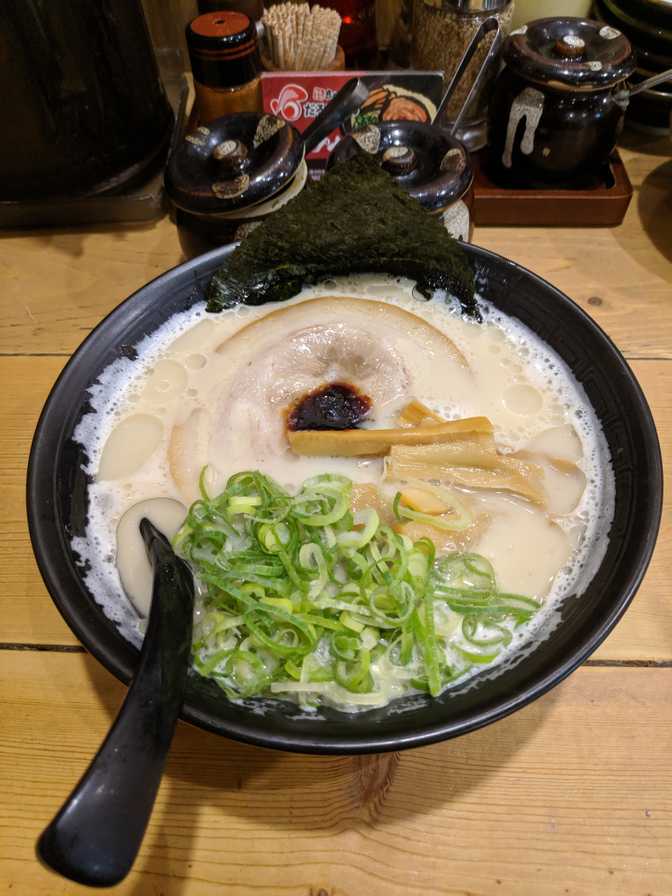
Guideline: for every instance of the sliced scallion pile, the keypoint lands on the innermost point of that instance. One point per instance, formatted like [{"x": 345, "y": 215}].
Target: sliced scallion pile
[{"x": 302, "y": 596}]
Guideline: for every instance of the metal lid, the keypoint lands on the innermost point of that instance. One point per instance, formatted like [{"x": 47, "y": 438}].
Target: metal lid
[
  {"x": 570, "y": 54},
  {"x": 234, "y": 162},
  {"x": 430, "y": 164}
]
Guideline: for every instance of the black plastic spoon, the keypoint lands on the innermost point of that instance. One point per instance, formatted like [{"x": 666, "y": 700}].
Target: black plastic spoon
[{"x": 95, "y": 837}]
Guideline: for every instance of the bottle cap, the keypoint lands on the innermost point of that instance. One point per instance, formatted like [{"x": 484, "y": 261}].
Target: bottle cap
[{"x": 223, "y": 49}]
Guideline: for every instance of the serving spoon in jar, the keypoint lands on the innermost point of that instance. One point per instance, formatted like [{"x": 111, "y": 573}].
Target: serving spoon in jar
[{"x": 96, "y": 835}]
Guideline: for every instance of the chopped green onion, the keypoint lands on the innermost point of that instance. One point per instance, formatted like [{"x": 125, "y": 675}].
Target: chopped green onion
[
  {"x": 299, "y": 595},
  {"x": 369, "y": 521},
  {"x": 292, "y": 669},
  {"x": 243, "y": 503},
  {"x": 460, "y": 519},
  {"x": 247, "y": 673},
  {"x": 349, "y": 621},
  {"x": 356, "y": 676}
]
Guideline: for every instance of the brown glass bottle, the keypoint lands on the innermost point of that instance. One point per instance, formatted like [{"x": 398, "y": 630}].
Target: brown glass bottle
[{"x": 224, "y": 55}]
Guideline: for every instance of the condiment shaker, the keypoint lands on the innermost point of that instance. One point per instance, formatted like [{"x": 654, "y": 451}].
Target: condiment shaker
[
  {"x": 224, "y": 55},
  {"x": 442, "y": 32},
  {"x": 226, "y": 177}
]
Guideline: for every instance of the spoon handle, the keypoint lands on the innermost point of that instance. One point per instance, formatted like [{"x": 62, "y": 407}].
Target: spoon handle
[
  {"x": 660, "y": 78},
  {"x": 97, "y": 833}
]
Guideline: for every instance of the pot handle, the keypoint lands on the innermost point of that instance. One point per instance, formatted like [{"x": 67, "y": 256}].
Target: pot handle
[
  {"x": 491, "y": 24},
  {"x": 660, "y": 78},
  {"x": 348, "y": 99}
]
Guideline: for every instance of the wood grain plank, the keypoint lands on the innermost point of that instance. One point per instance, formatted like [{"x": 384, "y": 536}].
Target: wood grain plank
[
  {"x": 570, "y": 797},
  {"x": 58, "y": 285},
  {"x": 27, "y": 614},
  {"x": 621, "y": 276}
]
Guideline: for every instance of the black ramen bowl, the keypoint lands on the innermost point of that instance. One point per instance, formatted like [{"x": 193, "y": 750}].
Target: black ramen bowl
[{"x": 57, "y": 511}]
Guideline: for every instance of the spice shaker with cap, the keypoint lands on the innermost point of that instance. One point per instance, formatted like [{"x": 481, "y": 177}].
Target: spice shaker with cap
[
  {"x": 441, "y": 33},
  {"x": 224, "y": 54}
]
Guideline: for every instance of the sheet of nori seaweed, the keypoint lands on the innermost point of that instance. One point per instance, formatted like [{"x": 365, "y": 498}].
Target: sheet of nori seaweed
[{"x": 356, "y": 219}]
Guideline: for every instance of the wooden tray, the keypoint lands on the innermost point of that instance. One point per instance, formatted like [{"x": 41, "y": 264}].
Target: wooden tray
[{"x": 600, "y": 204}]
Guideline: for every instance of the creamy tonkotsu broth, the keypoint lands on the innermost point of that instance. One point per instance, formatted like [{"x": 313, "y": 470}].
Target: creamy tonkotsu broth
[{"x": 214, "y": 390}]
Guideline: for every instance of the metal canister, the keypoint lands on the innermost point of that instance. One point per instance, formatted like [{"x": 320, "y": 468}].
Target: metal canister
[{"x": 442, "y": 31}]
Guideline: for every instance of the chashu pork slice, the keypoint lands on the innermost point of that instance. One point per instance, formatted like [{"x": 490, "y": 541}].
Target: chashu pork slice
[{"x": 267, "y": 366}]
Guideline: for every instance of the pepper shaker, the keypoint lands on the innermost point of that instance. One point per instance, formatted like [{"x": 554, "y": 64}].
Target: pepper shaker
[{"x": 442, "y": 31}]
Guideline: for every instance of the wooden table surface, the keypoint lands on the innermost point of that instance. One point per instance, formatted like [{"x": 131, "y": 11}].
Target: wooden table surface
[{"x": 569, "y": 797}]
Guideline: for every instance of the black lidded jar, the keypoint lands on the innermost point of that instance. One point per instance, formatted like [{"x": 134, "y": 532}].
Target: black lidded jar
[
  {"x": 559, "y": 103},
  {"x": 224, "y": 54}
]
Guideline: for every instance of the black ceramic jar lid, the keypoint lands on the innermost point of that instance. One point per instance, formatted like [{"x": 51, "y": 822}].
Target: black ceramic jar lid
[
  {"x": 570, "y": 54},
  {"x": 234, "y": 162},
  {"x": 430, "y": 164}
]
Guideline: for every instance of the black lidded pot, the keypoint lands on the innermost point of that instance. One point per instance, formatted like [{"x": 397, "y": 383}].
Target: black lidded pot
[
  {"x": 559, "y": 103},
  {"x": 225, "y": 178},
  {"x": 426, "y": 161}
]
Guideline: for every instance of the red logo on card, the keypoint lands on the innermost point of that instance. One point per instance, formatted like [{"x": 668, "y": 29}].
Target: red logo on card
[{"x": 288, "y": 104}]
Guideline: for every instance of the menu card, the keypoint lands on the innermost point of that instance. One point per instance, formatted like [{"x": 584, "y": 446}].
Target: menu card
[{"x": 299, "y": 97}]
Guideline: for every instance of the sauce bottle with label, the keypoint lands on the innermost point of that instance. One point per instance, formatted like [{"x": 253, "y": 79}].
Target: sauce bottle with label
[{"x": 224, "y": 54}]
